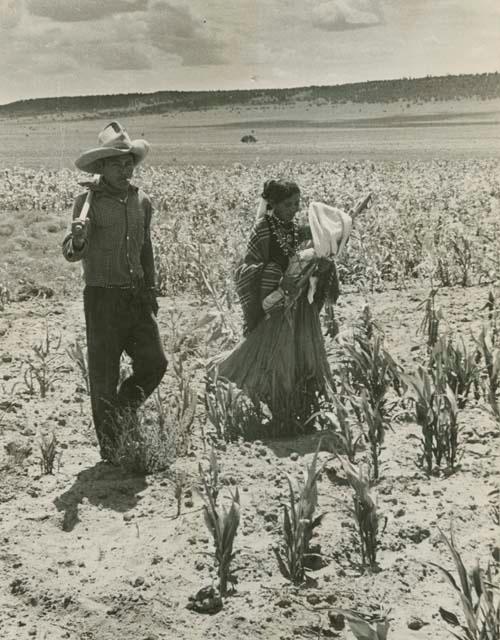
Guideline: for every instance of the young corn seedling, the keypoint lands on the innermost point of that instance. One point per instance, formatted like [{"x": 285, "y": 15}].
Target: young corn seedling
[
  {"x": 77, "y": 354},
  {"x": 232, "y": 414},
  {"x": 437, "y": 415},
  {"x": 182, "y": 406},
  {"x": 362, "y": 629},
  {"x": 479, "y": 596},
  {"x": 211, "y": 477},
  {"x": 369, "y": 367},
  {"x": 48, "y": 454},
  {"x": 456, "y": 367},
  {"x": 491, "y": 307},
  {"x": 489, "y": 354},
  {"x": 299, "y": 523},
  {"x": 223, "y": 526},
  {"x": 365, "y": 514},
  {"x": 180, "y": 483},
  {"x": 341, "y": 418},
  {"x": 366, "y": 326},
  {"x": 431, "y": 320},
  {"x": 374, "y": 431}
]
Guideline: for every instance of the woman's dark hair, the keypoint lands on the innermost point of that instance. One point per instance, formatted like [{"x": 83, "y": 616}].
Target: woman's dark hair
[{"x": 277, "y": 190}]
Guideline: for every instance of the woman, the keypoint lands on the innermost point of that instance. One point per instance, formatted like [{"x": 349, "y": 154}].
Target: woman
[{"x": 282, "y": 360}]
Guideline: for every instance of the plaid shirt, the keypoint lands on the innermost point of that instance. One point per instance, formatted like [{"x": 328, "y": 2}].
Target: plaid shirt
[{"x": 118, "y": 250}]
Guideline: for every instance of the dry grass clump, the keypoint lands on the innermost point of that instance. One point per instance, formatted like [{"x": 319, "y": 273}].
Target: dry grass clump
[{"x": 43, "y": 367}]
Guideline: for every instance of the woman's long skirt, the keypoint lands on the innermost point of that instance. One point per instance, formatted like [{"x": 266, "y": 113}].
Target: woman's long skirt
[{"x": 283, "y": 363}]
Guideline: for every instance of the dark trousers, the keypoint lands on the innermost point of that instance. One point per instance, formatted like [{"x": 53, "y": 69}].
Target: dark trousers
[{"x": 120, "y": 320}]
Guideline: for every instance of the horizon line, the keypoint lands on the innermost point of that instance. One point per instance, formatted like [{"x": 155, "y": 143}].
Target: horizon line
[{"x": 255, "y": 89}]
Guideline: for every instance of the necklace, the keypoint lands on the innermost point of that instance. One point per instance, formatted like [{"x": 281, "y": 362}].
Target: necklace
[{"x": 287, "y": 235}]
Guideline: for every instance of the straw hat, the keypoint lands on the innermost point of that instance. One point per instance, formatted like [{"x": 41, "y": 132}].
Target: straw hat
[{"x": 113, "y": 141}]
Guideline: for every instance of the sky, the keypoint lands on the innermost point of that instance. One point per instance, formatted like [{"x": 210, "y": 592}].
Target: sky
[{"x": 80, "y": 47}]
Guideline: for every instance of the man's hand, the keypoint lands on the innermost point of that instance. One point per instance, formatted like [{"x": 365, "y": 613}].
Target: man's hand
[{"x": 79, "y": 233}]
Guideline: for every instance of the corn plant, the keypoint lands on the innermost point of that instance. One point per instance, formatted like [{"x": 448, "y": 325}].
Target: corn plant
[
  {"x": 180, "y": 483},
  {"x": 489, "y": 355},
  {"x": 230, "y": 411},
  {"x": 5, "y": 296},
  {"x": 455, "y": 367},
  {"x": 223, "y": 526},
  {"x": 299, "y": 523},
  {"x": 219, "y": 320},
  {"x": 492, "y": 309},
  {"x": 462, "y": 252},
  {"x": 77, "y": 354},
  {"x": 43, "y": 366},
  {"x": 362, "y": 629},
  {"x": 365, "y": 513},
  {"x": 432, "y": 318},
  {"x": 437, "y": 415},
  {"x": 182, "y": 405},
  {"x": 374, "y": 428},
  {"x": 368, "y": 366},
  {"x": 211, "y": 476},
  {"x": 342, "y": 420},
  {"x": 48, "y": 454},
  {"x": 366, "y": 326},
  {"x": 479, "y": 596}
]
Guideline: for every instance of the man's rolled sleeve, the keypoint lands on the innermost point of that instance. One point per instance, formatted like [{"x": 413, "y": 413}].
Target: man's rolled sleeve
[{"x": 70, "y": 253}]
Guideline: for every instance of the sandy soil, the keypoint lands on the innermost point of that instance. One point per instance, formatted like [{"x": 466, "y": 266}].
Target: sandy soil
[{"x": 92, "y": 553}]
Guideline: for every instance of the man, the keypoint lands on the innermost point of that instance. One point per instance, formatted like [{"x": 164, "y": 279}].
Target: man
[{"x": 114, "y": 245}]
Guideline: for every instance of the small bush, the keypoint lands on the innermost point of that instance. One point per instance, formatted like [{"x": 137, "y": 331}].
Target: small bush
[{"x": 140, "y": 446}]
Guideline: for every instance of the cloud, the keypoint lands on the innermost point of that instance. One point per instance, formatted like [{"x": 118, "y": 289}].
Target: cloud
[
  {"x": 343, "y": 15},
  {"x": 83, "y": 10},
  {"x": 10, "y": 13},
  {"x": 174, "y": 30},
  {"x": 120, "y": 57}
]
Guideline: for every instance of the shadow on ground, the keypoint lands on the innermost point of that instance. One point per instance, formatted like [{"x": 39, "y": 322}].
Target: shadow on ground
[
  {"x": 102, "y": 485},
  {"x": 301, "y": 444}
]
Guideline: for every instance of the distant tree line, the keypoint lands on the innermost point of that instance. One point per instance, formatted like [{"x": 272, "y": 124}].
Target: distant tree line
[{"x": 483, "y": 86}]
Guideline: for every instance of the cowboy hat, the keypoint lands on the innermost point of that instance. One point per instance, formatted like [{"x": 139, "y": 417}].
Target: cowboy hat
[{"x": 113, "y": 141}]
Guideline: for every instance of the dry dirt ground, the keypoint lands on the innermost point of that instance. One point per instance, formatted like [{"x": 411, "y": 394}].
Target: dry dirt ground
[{"x": 91, "y": 553}]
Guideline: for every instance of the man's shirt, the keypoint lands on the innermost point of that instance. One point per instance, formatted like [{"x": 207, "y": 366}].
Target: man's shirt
[{"x": 117, "y": 251}]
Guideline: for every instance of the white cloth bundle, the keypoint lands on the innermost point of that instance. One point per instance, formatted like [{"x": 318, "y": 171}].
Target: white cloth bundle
[{"x": 330, "y": 229}]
